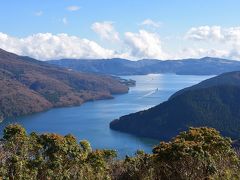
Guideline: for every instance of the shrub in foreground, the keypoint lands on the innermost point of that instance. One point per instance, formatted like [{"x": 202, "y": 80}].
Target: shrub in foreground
[{"x": 199, "y": 153}]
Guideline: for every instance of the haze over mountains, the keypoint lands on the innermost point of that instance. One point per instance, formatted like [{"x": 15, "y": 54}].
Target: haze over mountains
[
  {"x": 203, "y": 66},
  {"x": 213, "y": 103},
  {"x": 28, "y": 86}
]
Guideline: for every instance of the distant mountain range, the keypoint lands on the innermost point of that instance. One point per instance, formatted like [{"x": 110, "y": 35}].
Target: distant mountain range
[
  {"x": 28, "y": 85},
  {"x": 203, "y": 66},
  {"x": 214, "y": 103}
]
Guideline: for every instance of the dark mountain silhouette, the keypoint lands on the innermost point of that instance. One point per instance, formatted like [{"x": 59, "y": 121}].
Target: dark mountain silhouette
[
  {"x": 28, "y": 86},
  {"x": 203, "y": 66},
  {"x": 214, "y": 103}
]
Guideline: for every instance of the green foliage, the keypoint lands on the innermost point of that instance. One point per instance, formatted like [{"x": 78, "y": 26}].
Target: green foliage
[
  {"x": 85, "y": 145},
  {"x": 200, "y": 153},
  {"x": 14, "y": 131},
  {"x": 50, "y": 156},
  {"x": 138, "y": 167}
]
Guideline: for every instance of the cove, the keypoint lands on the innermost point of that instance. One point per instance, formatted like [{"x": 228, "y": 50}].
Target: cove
[{"x": 91, "y": 120}]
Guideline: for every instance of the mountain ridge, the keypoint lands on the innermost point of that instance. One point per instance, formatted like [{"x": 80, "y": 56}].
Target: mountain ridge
[{"x": 118, "y": 66}]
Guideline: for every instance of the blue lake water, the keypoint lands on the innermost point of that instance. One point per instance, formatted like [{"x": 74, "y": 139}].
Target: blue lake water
[{"x": 91, "y": 120}]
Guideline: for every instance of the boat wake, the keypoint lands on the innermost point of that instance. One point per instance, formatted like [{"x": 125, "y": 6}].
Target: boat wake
[{"x": 149, "y": 94}]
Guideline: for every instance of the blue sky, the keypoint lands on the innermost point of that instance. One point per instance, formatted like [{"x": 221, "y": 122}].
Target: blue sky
[{"x": 135, "y": 29}]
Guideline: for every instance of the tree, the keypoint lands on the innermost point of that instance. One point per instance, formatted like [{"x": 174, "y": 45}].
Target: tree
[
  {"x": 200, "y": 153},
  {"x": 50, "y": 156},
  {"x": 15, "y": 149},
  {"x": 195, "y": 154}
]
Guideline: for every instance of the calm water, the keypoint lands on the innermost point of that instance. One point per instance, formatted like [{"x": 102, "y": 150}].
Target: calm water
[{"x": 91, "y": 120}]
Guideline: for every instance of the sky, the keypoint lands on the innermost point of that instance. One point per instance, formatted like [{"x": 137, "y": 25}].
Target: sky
[{"x": 132, "y": 29}]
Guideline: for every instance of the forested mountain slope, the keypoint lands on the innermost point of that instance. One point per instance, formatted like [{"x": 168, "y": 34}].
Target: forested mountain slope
[
  {"x": 213, "y": 103},
  {"x": 28, "y": 85}
]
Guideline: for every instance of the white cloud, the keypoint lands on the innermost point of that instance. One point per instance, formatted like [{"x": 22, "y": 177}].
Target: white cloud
[
  {"x": 204, "y": 33},
  {"x": 73, "y": 8},
  {"x": 214, "y": 41},
  {"x": 106, "y": 31},
  {"x": 228, "y": 38},
  {"x": 200, "y": 52},
  {"x": 232, "y": 35},
  {"x": 150, "y": 22},
  {"x": 145, "y": 45},
  {"x": 216, "y": 33},
  {"x": 38, "y": 13},
  {"x": 65, "y": 21},
  {"x": 46, "y": 46}
]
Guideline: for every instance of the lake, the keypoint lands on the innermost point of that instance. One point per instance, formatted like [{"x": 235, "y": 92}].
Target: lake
[{"x": 91, "y": 120}]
